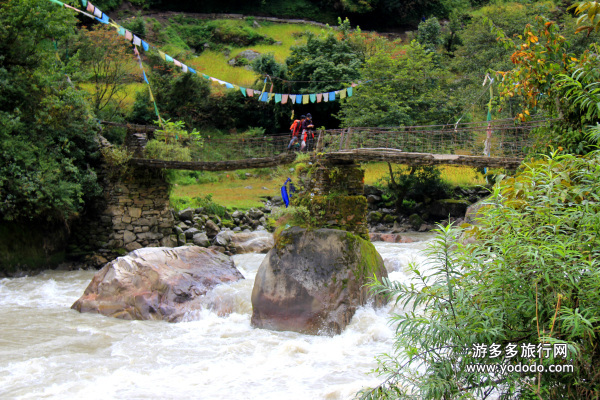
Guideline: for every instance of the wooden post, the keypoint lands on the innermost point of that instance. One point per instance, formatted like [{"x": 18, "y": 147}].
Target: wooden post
[
  {"x": 342, "y": 139},
  {"x": 320, "y": 138},
  {"x": 347, "y": 144}
]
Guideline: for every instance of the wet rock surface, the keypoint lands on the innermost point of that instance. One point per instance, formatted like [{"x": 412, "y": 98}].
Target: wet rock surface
[
  {"x": 312, "y": 281},
  {"x": 156, "y": 283}
]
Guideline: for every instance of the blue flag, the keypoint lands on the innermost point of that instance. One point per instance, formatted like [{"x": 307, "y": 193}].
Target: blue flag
[
  {"x": 331, "y": 96},
  {"x": 145, "y": 46}
]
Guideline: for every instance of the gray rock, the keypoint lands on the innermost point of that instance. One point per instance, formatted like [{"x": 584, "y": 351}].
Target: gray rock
[
  {"x": 255, "y": 213},
  {"x": 212, "y": 229},
  {"x": 237, "y": 229},
  {"x": 157, "y": 283},
  {"x": 237, "y": 214},
  {"x": 249, "y": 55},
  {"x": 313, "y": 281},
  {"x": 200, "y": 239},
  {"x": 129, "y": 237},
  {"x": 186, "y": 214},
  {"x": 248, "y": 187},
  {"x": 448, "y": 208},
  {"x": 190, "y": 233},
  {"x": 372, "y": 199},
  {"x": 252, "y": 242},
  {"x": 133, "y": 246},
  {"x": 223, "y": 238}
]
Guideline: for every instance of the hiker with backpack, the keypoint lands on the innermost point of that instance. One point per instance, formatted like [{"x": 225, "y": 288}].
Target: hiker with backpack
[
  {"x": 296, "y": 129},
  {"x": 308, "y": 133}
]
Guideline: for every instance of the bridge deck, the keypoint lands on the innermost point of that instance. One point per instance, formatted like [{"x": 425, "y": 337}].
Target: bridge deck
[{"x": 358, "y": 155}]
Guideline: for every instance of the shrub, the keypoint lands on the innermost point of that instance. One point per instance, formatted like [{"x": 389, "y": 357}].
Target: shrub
[
  {"x": 159, "y": 150},
  {"x": 532, "y": 277}
]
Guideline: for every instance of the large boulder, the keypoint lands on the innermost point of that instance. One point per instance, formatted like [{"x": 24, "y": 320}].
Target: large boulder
[
  {"x": 312, "y": 281},
  {"x": 472, "y": 212},
  {"x": 156, "y": 283},
  {"x": 252, "y": 242}
]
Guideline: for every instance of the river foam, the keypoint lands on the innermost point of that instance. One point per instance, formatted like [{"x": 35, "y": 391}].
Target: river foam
[{"x": 48, "y": 351}]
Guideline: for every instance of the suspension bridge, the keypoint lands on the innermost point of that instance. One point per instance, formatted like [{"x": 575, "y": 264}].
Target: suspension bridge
[{"x": 499, "y": 143}]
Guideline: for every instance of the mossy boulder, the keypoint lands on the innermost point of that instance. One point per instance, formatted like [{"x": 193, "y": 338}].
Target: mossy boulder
[
  {"x": 312, "y": 281},
  {"x": 415, "y": 221}
]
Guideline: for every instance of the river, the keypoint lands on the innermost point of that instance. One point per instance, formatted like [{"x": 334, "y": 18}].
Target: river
[{"x": 48, "y": 351}]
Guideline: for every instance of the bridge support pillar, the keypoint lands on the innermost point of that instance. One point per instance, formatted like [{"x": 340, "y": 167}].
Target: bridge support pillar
[
  {"x": 133, "y": 213},
  {"x": 333, "y": 195}
]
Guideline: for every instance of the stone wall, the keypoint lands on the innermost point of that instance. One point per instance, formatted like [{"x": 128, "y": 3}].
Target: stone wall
[
  {"x": 333, "y": 195},
  {"x": 134, "y": 213}
]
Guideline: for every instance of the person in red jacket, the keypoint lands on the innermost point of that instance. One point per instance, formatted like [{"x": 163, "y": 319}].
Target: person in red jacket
[
  {"x": 308, "y": 133},
  {"x": 296, "y": 129}
]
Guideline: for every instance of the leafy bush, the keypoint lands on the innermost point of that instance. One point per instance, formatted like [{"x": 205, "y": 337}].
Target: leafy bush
[
  {"x": 532, "y": 276},
  {"x": 159, "y": 150},
  {"x": 417, "y": 184}
]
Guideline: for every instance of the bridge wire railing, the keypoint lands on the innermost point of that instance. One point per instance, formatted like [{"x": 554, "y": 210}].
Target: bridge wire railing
[{"x": 508, "y": 139}]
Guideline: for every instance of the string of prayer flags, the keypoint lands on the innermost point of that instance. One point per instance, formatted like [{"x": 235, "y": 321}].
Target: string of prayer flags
[{"x": 263, "y": 95}]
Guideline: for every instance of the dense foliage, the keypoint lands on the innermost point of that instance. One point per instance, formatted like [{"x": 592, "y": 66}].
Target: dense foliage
[
  {"x": 531, "y": 276},
  {"x": 47, "y": 130}
]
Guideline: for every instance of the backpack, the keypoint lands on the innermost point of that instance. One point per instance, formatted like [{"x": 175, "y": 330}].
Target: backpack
[{"x": 295, "y": 126}]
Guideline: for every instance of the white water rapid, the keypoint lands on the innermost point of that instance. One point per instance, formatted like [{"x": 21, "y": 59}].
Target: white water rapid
[{"x": 48, "y": 351}]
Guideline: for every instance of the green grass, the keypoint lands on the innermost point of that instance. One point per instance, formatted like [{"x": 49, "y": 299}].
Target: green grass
[{"x": 229, "y": 188}]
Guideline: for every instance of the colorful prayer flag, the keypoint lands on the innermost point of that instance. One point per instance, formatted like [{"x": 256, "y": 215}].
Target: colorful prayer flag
[
  {"x": 331, "y": 96},
  {"x": 250, "y": 92},
  {"x": 121, "y": 31},
  {"x": 84, "y": 3},
  {"x": 264, "y": 97},
  {"x": 184, "y": 68},
  {"x": 305, "y": 99},
  {"x": 128, "y": 35},
  {"x": 162, "y": 55},
  {"x": 97, "y": 12},
  {"x": 58, "y": 2},
  {"x": 90, "y": 7},
  {"x": 278, "y": 98},
  {"x": 293, "y": 97},
  {"x": 349, "y": 90},
  {"x": 284, "y": 98},
  {"x": 137, "y": 41},
  {"x": 168, "y": 58},
  {"x": 177, "y": 63},
  {"x": 145, "y": 78},
  {"x": 343, "y": 94},
  {"x": 299, "y": 98},
  {"x": 243, "y": 90},
  {"x": 325, "y": 97},
  {"x": 271, "y": 95},
  {"x": 192, "y": 70},
  {"x": 145, "y": 46},
  {"x": 313, "y": 98},
  {"x": 319, "y": 97},
  {"x": 228, "y": 85}
]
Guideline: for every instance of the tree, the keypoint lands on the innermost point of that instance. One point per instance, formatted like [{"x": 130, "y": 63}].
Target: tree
[
  {"x": 430, "y": 34},
  {"x": 47, "y": 131},
  {"x": 405, "y": 87},
  {"x": 324, "y": 63},
  {"x": 108, "y": 62},
  {"x": 541, "y": 63}
]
